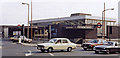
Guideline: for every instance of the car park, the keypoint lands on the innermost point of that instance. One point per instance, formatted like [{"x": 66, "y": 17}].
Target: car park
[
  {"x": 92, "y": 43},
  {"x": 109, "y": 47},
  {"x": 57, "y": 44}
]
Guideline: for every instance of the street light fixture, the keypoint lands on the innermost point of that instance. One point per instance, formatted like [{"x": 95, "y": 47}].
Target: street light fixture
[
  {"x": 103, "y": 21},
  {"x": 28, "y": 19}
]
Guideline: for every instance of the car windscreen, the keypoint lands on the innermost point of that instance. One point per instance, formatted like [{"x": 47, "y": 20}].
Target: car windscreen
[
  {"x": 93, "y": 41},
  {"x": 52, "y": 40}
]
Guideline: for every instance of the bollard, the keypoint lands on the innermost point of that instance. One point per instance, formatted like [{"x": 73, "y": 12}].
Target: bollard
[{"x": 19, "y": 40}]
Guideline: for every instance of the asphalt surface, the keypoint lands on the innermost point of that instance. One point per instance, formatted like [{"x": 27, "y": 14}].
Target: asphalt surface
[{"x": 13, "y": 49}]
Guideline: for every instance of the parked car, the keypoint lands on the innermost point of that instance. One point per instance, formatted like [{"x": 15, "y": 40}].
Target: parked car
[
  {"x": 91, "y": 44},
  {"x": 11, "y": 38},
  {"x": 23, "y": 38},
  {"x": 57, "y": 44},
  {"x": 108, "y": 48},
  {"x": 14, "y": 38}
]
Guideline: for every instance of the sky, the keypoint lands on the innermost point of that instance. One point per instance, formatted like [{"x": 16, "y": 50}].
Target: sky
[{"x": 13, "y": 12}]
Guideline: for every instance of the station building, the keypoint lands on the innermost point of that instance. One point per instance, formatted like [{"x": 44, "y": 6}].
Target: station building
[{"x": 78, "y": 25}]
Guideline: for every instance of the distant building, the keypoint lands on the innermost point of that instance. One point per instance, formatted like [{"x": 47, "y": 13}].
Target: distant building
[{"x": 7, "y": 31}]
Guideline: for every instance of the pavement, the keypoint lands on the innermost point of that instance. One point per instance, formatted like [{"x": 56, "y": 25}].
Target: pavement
[{"x": 35, "y": 44}]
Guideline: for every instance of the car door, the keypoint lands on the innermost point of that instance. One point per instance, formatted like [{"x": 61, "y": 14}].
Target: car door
[
  {"x": 116, "y": 47},
  {"x": 57, "y": 45},
  {"x": 65, "y": 44}
]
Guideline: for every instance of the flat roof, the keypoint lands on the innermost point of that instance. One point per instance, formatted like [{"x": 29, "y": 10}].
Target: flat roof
[{"x": 73, "y": 18}]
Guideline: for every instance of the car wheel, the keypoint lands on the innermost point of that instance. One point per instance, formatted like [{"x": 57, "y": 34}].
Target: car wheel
[
  {"x": 13, "y": 40},
  {"x": 61, "y": 50},
  {"x": 85, "y": 48},
  {"x": 42, "y": 50},
  {"x": 108, "y": 51},
  {"x": 49, "y": 50},
  {"x": 92, "y": 48},
  {"x": 69, "y": 49},
  {"x": 119, "y": 52},
  {"x": 97, "y": 52}
]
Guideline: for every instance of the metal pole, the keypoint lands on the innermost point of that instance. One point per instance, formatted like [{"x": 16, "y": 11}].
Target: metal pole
[
  {"x": 28, "y": 19},
  {"x": 31, "y": 19},
  {"x": 102, "y": 24},
  {"x": 109, "y": 34},
  {"x": 49, "y": 33},
  {"x": 104, "y": 21},
  {"x": 28, "y": 22},
  {"x": 23, "y": 32}
]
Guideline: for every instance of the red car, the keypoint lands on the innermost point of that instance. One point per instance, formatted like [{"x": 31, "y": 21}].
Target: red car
[{"x": 91, "y": 44}]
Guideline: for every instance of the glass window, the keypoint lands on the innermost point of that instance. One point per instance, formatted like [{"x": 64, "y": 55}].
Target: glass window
[
  {"x": 59, "y": 41},
  {"x": 100, "y": 41},
  {"x": 104, "y": 41},
  {"x": 52, "y": 41},
  {"x": 65, "y": 41},
  {"x": 109, "y": 44},
  {"x": 93, "y": 41}
]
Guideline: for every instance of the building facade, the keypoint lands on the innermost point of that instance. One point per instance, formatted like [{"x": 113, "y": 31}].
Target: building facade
[{"x": 78, "y": 25}]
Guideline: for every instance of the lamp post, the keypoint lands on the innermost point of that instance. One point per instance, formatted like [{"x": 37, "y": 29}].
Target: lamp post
[
  {"x": 31, "y": 19},
  {"x": 103, "y": 20},
  {"x": 28, "y": 19}
]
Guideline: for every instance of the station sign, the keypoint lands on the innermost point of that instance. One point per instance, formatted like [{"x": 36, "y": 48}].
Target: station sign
[
  {"x": 19, "y": 25},
  {"x": 79, "y": 27},
  {"x": 99, "y": 25}
]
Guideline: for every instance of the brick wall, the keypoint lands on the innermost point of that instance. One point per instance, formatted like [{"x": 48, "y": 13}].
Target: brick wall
[
  {"x": 115, "y": 32},
  {"x": 91, "y": 34}
]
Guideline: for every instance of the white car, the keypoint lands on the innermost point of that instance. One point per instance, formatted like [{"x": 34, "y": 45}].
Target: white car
[
  {"x": 109, "y": 47},
  {"x": 23, "y": 38},
  {"x": 57, "y": 44},
  {"x": 14, "y": 38}
]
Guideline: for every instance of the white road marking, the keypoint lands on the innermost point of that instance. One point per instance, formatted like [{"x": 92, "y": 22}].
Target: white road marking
[
  {"x": 28, "y": 54},
  {"x": 51, "y": 54}
]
